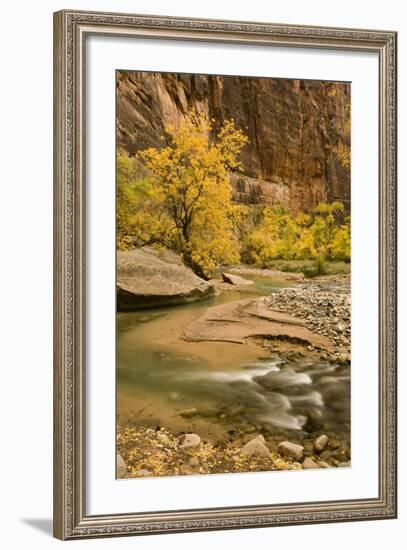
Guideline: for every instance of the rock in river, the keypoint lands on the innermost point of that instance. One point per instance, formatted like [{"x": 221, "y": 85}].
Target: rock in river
[
  {"x": 152, "y": 278},
  {"x": 235, "y": 279}
]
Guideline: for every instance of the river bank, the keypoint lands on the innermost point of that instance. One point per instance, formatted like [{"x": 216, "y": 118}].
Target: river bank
[
  {"x": 282, "y": 386},
  {"x": 145, "y": 452}
]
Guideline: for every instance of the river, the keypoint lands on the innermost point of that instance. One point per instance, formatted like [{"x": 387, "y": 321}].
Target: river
[{"x": 216, "y": 389}]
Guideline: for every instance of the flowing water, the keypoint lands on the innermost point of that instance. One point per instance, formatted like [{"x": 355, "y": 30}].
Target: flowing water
[{"x": 218, "y": 388}]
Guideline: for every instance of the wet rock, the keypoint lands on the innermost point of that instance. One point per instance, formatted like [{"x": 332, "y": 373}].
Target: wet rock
[
  {"x": 309, "y": 464},
  {"x": 189, "y": 441},
  {"x": 320, "y": 443},
  {"x": 342, "y": 457},
  {"x": 287, "y": 448},
  {"x": 121, "y": 468},
  {"x": 256, "y": 447},
  {"x": 334, "y": 444},
  {"x": 235, "y": 279}
]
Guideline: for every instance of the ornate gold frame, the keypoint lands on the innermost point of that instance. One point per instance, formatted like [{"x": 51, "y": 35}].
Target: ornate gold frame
[{"x": 70, "y": 518}]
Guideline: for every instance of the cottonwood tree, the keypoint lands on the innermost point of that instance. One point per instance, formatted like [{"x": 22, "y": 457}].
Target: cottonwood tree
[{"x": 192, "y": 189}]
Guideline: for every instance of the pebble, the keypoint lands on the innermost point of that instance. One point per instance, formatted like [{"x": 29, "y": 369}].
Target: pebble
[
  {"x": 309, "y": 464},
  {"x": 320, "y": 443},
  {"x": 326, "y": 454},
  {"x": 189, "y": 441},
  {"x": 143, "y": 473},
  {"x": 256, "y": 447},
  {"x": 164, "y": 440},
  {"x": 287, "y": 448},
  {"x": 121, "y": 468},
  {"x": 323, "y": 464}
]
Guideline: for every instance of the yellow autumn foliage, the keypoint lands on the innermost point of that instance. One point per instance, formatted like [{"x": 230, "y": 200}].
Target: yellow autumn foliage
[
  {"x": 281, "y": 236},
  {"x": 185, "y": 200},
  {"x": 180, "y": 196}
]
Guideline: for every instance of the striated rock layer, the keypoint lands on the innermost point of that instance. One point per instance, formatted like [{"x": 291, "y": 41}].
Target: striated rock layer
[{"x": 298, "y": 129}]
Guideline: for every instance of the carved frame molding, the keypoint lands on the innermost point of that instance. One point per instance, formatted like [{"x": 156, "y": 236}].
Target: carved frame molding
[{"x": 70, "y": 518}]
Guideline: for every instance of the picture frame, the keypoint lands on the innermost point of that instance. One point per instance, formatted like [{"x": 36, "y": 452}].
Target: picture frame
[{"x": 72, "y": 519}]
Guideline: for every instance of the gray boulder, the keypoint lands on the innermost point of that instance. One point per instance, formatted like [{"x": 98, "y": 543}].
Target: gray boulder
[
  {"x": 164, "y": 440},
  {"x": 309, "y": 464},
  {"x": 151, "y": 278}
]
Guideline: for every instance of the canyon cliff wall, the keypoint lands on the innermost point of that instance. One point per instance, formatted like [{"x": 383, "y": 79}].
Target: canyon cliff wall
[{"x": 298, "y": 129}]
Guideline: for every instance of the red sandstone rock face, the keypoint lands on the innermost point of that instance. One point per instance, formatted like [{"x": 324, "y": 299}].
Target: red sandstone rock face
[{"x": 296, "y": 128}]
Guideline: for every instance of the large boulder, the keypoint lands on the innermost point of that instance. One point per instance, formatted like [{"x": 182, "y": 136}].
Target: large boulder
[{"x": 152, "y": 278}]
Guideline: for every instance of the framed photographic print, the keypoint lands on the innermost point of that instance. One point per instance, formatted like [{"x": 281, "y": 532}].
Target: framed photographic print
[{"x": 225, "y": 274}]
